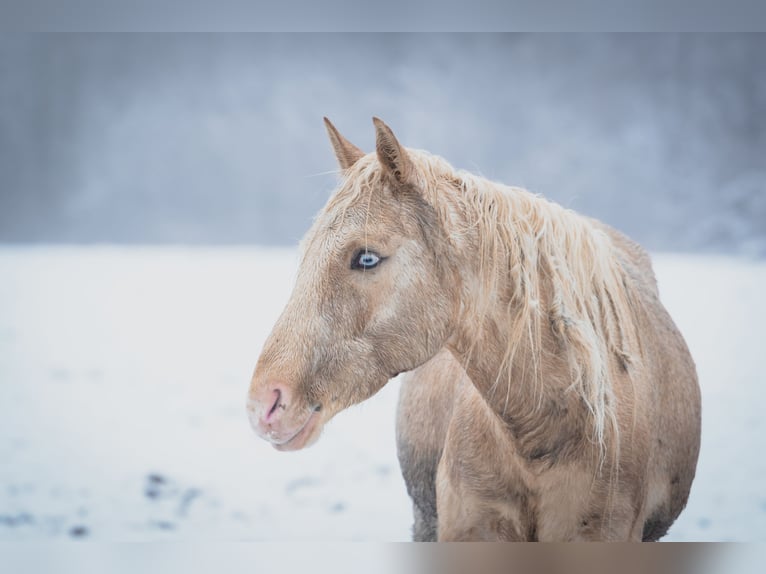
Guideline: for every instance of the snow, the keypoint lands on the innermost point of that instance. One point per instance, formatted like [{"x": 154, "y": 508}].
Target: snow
[{"x": 123, "y": 374}]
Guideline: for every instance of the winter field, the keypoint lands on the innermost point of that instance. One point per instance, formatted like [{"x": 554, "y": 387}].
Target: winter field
[{"x": 123, "y": 374}]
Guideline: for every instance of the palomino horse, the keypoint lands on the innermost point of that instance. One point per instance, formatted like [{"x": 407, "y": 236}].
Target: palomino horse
[{"x": 552, "y": 397}]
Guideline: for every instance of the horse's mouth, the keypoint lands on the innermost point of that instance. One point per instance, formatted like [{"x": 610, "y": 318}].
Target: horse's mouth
[{"x": 304, "y": 435}]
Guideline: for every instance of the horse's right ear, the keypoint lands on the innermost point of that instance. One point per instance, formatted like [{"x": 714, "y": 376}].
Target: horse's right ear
[
  {"x": 391, "y": 154},
  {"x": 346, "y": 152}
]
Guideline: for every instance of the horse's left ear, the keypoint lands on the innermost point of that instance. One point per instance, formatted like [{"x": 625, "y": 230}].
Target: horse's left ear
[
  {"x": 392, "y": 156},
  {"x": 346, "y": 153}
]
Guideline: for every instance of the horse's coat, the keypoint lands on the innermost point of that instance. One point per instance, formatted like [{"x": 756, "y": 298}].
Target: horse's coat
[{"x": 551, "y": 396}]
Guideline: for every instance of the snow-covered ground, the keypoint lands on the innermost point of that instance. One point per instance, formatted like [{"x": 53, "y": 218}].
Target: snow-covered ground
[{"x": 123, "y": 374}]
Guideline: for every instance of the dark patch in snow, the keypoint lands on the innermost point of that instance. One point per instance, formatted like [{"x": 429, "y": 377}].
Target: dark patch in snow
[
  {"x": 163, "y": 524},
  {"x": 338, "y": 507},
  {"x": 175, "y": 500},
  {"x": 157, "y": 486},
  {"x": 79, "y": 531},
  {"x": 703, "y": 523},
  {"x": 16, "y": 520},
  {"x": 189, "y": 495}
]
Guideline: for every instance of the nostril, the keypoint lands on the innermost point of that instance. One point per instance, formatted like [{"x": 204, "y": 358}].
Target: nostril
[
  {"x": 276, "y": 404},
  {"x": 268, "y": 403}
]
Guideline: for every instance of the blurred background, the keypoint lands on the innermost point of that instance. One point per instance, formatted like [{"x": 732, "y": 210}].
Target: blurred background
[{"x": 218, "y": 139}]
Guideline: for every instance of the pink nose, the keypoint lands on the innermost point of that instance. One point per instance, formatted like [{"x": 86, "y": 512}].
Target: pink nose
[{"x": 266, "y": 407}]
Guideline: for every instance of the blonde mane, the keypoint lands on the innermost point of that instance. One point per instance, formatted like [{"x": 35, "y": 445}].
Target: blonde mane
[{"x": 544, "y": 262}]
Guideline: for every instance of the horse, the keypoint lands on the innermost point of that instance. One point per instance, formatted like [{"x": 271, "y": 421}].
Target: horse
[{"x": 547, "y": 395}]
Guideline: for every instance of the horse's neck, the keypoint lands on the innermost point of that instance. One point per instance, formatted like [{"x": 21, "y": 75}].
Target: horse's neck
[
  {"x": 511, "y": 375},
  {"x": 522, "y": 378}
]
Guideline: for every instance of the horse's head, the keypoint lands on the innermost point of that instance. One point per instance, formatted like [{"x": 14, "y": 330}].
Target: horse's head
[{"x": 375, "y": 295}]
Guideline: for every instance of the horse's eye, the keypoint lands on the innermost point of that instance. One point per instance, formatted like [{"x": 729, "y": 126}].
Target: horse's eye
[{"x": 365, "y": 260}]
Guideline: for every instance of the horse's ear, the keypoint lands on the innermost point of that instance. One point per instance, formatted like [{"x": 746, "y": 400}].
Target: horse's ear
[
  {"x": 346, "y": 152},
  {"x": 392, "y": 156}
]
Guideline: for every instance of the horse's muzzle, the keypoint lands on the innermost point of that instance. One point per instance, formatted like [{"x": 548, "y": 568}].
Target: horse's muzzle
[{"x": 274, "y": 418}]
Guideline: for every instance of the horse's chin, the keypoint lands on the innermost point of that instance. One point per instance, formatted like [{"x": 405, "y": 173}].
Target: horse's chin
[{"x": 307, "y": 436}]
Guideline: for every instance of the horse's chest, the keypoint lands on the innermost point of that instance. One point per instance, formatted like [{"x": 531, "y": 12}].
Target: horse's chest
[{"x": 489, "y": 489}]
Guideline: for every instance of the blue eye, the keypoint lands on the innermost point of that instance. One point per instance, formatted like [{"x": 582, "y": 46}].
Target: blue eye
[{"x": 365, "y": 260}]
